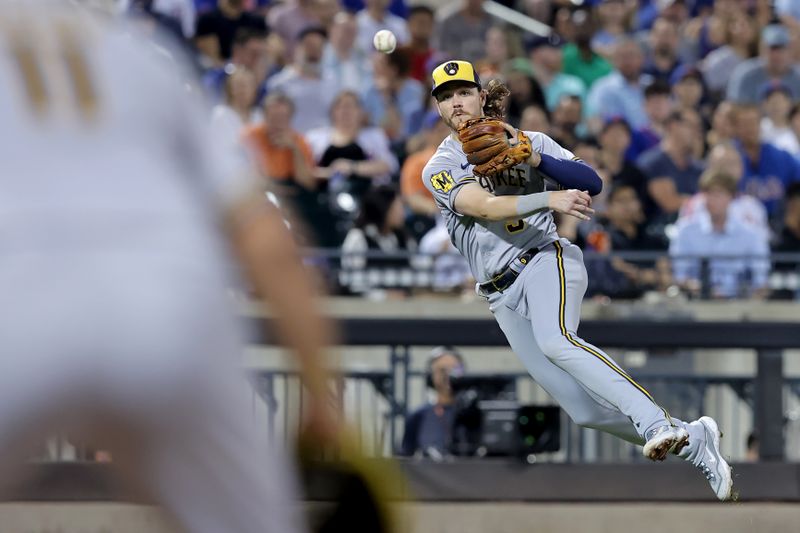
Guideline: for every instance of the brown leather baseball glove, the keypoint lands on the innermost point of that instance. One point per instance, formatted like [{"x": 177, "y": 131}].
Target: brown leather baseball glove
[{"x": 488, "y": 144}]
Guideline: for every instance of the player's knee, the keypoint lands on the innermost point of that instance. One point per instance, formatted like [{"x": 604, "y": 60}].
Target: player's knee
[{"x": 553, "y": 346}]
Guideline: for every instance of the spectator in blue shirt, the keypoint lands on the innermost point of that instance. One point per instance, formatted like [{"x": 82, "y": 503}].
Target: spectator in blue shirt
[
  {"x": 662, "y": 57},
  {"x": 768, "y": 170},
  {"x": 621, "y": 93},
  {"x": 744, "y": 272},
  {"x": 671, "y": 170}
]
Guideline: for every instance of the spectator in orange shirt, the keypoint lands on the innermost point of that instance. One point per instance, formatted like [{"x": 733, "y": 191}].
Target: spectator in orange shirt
[
  {"x": 415, "y": 196},
  {"x": 281, "y": 154}
]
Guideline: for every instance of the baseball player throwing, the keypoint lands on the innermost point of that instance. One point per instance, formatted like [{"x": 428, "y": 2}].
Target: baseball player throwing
[{"x": 489, "y": 183}]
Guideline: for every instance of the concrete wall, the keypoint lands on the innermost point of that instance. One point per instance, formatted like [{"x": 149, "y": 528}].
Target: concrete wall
[{"x": 447, "y": 518}]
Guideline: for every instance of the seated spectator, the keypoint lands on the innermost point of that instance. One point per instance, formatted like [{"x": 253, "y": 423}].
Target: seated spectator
[
  {"x": 416, "y": 196},
  {"x": 566, "y": 120},
  {"x": 284, "y": 158},
  {"x": 580, "y": 59},
  {"x": 216, "y": 29},
  {"x": 462, "y": 35},
  {"x": 394, "y": 101},
  {"x": 238, "y": 110},
  {"x": 738, "y": 263},
  {"x": 774, "y": 62},
  {"x": 250, "y": 51},
  {"x": 379, "y": 228},
  {"x": 428, "y": 430},
  {"x": 788, "y": 241},
  {"x": 697, "y": 132},
  {"x": 621, "y": 229},
  {"x": 621, "y": 93},
  {"x": 525, "y": 90},
  {"x": 614, "y": 140},
  {"x": 614, "y": 21},
  {"x": 344, "y": 67},
  {"x": 789, "y": 238},
  {"x": 688, "y": 88},
  {"x": 497, "y": 54},
  {"x": 281, "y": 154},
  {"x": 535, "y": 118},
  {"x": 671, "y": 170},
  {"x": 290, "y": 18},
  {"x": 768, "y": 170},
  {"x": 776, "y": 104},
  {"x": 420, "y": 29},
  {"x": 741, "y": 44},
  {"x": 375, "y": 17},
  {"x": 657, "y": 107},
  {"x": 547, "y": 59},
  {"x": 721, "y": 124},
  {"x": 302, "y": 82},
  {"x": 744, "y": 208},
  {"x": 662, "y": 59},
  {"x": 348, "y": 154}
]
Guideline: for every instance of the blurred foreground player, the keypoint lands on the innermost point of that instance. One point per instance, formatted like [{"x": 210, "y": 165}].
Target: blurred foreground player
[{"x": 120, "y": 222}]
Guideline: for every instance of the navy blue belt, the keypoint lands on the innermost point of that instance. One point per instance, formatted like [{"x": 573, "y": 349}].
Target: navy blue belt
[{"x": 503, "y": 280}]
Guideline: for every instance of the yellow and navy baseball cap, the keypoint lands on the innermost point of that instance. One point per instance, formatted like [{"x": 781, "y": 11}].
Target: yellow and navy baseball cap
[{"x": 450, "y": 71}]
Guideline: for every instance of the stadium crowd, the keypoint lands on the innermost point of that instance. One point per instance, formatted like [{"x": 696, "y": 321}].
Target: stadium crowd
[{"x": 688, "y": 109}]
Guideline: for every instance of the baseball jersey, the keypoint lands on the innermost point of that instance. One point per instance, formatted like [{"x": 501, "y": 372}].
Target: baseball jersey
[
  {"x": 101, "y": 144},
  {"x": 489, "y": 246}
]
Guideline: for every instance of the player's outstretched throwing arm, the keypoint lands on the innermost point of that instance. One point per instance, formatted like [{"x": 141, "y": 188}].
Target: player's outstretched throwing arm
[{"x": 474, "y": 201}]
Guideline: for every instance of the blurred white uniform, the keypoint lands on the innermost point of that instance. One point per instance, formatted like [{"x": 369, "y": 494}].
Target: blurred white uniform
[{"x": 113, "y": 271}]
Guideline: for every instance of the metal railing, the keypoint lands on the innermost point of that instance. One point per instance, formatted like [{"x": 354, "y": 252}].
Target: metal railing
[{"x": 359, "y": 273}]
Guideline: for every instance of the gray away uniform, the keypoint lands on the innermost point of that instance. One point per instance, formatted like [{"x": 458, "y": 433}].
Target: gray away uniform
[{"x": 539, "y": 313}]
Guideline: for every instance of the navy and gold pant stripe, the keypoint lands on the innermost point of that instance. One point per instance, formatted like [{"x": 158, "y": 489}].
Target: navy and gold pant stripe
[{"x": 562, "y": 301}]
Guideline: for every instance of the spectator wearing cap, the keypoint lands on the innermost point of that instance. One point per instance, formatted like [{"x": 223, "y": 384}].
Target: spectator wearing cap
[
  {"x": 580, "y": 60},
  {"x": 741, "y": 44},
  {"x": 524, "y": 87},
  {"x": 302, "y": 82},
  {"x": 462, "y": 35},
  {"x": 773, "y": 62},
  {"x": 776, "y": 104},
  {"x": 415, "y": 195},
  {"x": 547, "y": 58},
  {"x": 216, "y": 29},
  {"x": 375, "y": 17},
  {"x": 768, "y": 170},
  {"x": 394, "y": 101},
  {"x": 739, "y": 256},
  {"x": 672, "y": 171},
  {"x": 249, "y": 51},
  {"x": 662, "y": 58},
  {"x": 621, "y": 93},
  {"x": 344, "y": 67}
]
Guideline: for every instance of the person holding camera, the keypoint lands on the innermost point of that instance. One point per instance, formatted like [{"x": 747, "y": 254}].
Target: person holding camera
[{"x": 429, "y": 429}]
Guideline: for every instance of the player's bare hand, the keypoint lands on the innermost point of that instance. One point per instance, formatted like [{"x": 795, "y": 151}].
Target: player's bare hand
[
  {"x": 535, "y": 159},
  {"x": 571, "y": 202}
]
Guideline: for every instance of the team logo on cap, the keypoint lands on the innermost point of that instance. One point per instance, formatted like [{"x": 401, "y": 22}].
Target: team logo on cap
[{"x": 451, "y": 68}]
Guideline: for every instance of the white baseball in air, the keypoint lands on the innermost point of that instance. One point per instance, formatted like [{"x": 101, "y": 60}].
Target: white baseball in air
[{"x": 385, "y": 41}]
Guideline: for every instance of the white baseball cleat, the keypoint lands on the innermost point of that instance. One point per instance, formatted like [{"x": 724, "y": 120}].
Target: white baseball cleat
[
  {"x": 710, "y": 462},
  {"x": 663, "y": 440}
]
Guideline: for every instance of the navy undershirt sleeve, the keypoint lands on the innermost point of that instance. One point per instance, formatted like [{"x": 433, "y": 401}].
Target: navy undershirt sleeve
[{"x": 571, "y": 174}]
